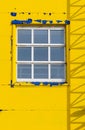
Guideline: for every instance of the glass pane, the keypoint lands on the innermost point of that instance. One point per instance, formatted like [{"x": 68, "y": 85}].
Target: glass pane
[
  {"x": 40, "y": 36},
  {"x": 57, "y": 54},
  {"x": 58, "y": 71},
  {"x": 40, "y": 53},
  {"x": 57, "y": 36},
  {"x": 24, "y": 71},
  {"x": 40, "y": 71},
  {"x": 24, "y": 53},
  {"x": 24, "y": 36}
]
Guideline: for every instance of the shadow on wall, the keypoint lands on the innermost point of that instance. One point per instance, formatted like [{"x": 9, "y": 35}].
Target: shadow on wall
[
  {"x": 78, "y": 113},
  {"x": 77, "y": 74},
  {"x": 77, "y": 108},
  {"x": 77, "y": 93}
]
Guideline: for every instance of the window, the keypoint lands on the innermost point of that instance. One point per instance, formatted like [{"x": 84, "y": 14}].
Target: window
[{"x": 41, "y": 54}]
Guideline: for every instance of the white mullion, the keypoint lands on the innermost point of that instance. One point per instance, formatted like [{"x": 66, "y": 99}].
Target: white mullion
[
  {"x": 41, "y": 45},
  {"x": 64, "y": 47},
  {"x": 49, "y": 54},
  {"x": 16, "y": 53},
  {"x": 43, "y": 28},
  {"x": 40, "y": 80},
  {"x": 40, "y": 62},
  {"x": 32, "y": 69},
  {"x": 32, "y": 47}
]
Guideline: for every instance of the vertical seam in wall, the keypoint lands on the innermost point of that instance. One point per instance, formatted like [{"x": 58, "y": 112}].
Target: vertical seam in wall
[
  {"x": 68, "y": 64},
  {"x": 11, "y": 82}
]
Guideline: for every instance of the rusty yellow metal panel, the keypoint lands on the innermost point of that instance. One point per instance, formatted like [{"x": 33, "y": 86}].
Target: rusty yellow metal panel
[{"x": 43, "y": 107}]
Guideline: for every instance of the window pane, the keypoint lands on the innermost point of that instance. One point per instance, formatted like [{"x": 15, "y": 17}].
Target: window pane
[
  {"x": 24, "y": 36},
  {"x": 24, "y": 53},
  {"x": 40, "y": 36},
  {"x": 57, "y": 54},
  {"x": 40, "y": 71},
  {"x": 58, "y": 71},
  {"x": 40, "y": 53},
  {"x": 57, "y": 36},
  {"x": 24, "y": 71}
]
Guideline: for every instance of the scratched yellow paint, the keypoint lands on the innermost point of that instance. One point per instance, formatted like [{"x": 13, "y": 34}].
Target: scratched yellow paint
[{"x": 43, "y": 107}]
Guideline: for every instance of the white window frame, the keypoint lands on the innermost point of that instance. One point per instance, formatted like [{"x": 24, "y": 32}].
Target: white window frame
[{"x": 32, "y": 62}]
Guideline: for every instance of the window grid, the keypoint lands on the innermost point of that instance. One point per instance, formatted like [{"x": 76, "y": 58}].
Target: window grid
[
  {"x": 49, "y": 62},
  {"x": 32, "y": 69},
  {"x": 49, "y": 68}
]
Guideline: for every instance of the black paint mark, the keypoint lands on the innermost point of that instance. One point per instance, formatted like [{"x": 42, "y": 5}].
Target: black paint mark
[
  {"x": 50, "y": 14},
  {"x": 44, "y": 13},
  {"x": 1, "y": 110}
]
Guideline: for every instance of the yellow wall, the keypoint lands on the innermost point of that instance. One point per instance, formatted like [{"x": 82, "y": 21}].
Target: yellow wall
[
  {"x": 77, "y": 65},
  {"x": 43, "y": 107}
]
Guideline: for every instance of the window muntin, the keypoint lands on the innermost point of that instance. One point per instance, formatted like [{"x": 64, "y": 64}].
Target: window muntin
[
  {"x": 24, "y": 53},
  {"x": 40, "y": 71},
  {"x": 40, "y": 36},
  {"x": 57, "y": 36},
  {"x": 24, "y": 71},
  {"x": 24, "y": 36},
  {"x": 58, "y": 71},
  {"x": 42, "y": 55},
  {"x": 57, "y": 53}
]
